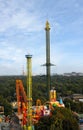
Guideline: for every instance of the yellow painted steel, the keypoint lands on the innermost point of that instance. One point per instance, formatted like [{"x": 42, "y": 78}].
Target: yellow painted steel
[
  {"x": 29, "y": 91},
  {"x": 47, "y": 26},
  {"x": 52, "y": 95},
  {"x": 38, "y": 102}
]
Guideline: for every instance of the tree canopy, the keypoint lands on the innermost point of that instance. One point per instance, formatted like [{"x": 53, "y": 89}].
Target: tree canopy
[
  {"x": 64, "y": 86},
  {"x": 60, "y": 119}
]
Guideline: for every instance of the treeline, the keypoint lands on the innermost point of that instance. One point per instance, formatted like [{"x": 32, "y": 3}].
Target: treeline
[{"x": 64, "y": 86}]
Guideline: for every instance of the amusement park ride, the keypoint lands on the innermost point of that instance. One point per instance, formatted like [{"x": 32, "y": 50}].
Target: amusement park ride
[
  {"x": 37, "y": 111},
  {"x": 28, "y": 113}
]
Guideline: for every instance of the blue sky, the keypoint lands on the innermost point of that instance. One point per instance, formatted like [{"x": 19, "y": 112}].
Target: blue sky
[{"x": 22, "y": 24}]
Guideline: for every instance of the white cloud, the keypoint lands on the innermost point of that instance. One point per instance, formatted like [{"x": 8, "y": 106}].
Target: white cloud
[
  {"x": 16, "y": 16},
  {"x": 22, "y": 31}
]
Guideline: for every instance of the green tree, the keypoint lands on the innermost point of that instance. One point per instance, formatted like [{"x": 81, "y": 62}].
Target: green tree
[
  {"x": 61, "y": 119},
  {"x": 7, "y": 106}
]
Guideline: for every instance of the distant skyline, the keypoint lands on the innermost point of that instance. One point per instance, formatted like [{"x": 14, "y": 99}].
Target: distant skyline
[{"x": 22, "y": 31}]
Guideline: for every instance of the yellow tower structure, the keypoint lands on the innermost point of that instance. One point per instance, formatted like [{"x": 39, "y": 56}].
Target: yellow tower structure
[
  {"x": 29, "y": 92},
  {"x": 52, "y": 95}
]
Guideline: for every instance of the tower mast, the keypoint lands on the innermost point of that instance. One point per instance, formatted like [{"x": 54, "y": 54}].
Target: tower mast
[
  {"x": 47, "y": 29},
  {"x": 29, "y": 91}
]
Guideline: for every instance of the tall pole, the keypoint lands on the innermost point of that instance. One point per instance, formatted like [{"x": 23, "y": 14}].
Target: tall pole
[
  {"x": 47, "y": 29},
  {"x": 29, "y": 91}
]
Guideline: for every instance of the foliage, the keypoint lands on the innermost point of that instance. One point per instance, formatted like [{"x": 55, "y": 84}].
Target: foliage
[
  {"x": 74, "y": 106},
  {"x": 7, "y": 106},
  {"x": 61, "y": 119},
  {"x": 65, "y": 86}
]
